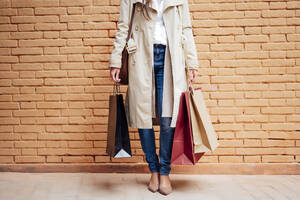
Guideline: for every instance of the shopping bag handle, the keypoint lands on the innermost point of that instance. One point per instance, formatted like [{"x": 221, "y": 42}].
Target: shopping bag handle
[
  {"x": 116, "y": 89},
  {"x": 190, "y": 85}
]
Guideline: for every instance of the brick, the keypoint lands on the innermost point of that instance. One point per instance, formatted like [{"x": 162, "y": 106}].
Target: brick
[
  {"x": 6, "y": 144},
  {"x": 101, "y": 159},
  {"x": 230, "y": 143},
  {"x": 277, "y": 110},
  {"x": 8, "y": 27},
  {"x": 231, "y": 159},
  {"x": 28, "y": 113},
  {"x": 86, "y": 34},
  {"x": 61, "y": 136},
  {"x": 43, "y": 58},
  {"x": 252, "y": 102},
  {"x": 28, "y": 136},
  {"x": 75, "y": 58},
  {"x": 99, "y": 25},
  {"x": 227, "y": 79},
  {"x": 252, "y": 118},
  {"x": 8, "y": 43},
  {"x": 80, "y": 144},
  {"x": 29, "y": 144},
  {"x": 77, "y": 97},
  {"x": 51, "y": 50},
  {"x": 277, "y": 159},
  {"x": 6, "y": 113},
  {"x": 50, "y": 11},
  {"x": 33, "y": 19},
  {"x": 27, "y": 51},
  {"x": 252, "y": 134},
  {"x": 73, "y": 81},
  {"x": 51, "y": 151},
  {"x": 252, "y": 6},
  {"x": 75, "y": 2},
  {"x": 279, "y": 126},
  {"x": 101, "y": 2},
  {"x": 101, "y": 9},
  {"x": 26, "y": 27},
  {"x": 9, "y": 59},
  {"x": 6, "y": 159},
  {"x": 74, "y": 42},
  {"x": 52, "y": 113},
  {"x": 55, "y": 90},
  {"x": 278, "y": 143},
  {"x": 34, "y": 3},
  {"x": 76, "y": 66},
  {"x": 53, "y": 159},
  {"x": 50, "y": 27},
  {"x": 226, "y": 110},
  {"x": 51, "y": 74},
  {"x": 9, "y": 120},
  {"x": 51, "y": 35},
  {"x": 29, "y": 159},
  {"x": 70, "y": 50},
  {"x": 86, "y": 151},
  {"x": 252, "y": 159},
  {"x": 57, "y": 144},
  {"x": 42, "y": 42},
  {"x": 75, "y": 10},
  {"x": 28, "y": 105},
  {"x": 252, "y": 143},
  {"x": 51, "y": 105},
  {"x": 26, "y": 66},
  {"x": 23, "y": 82}
]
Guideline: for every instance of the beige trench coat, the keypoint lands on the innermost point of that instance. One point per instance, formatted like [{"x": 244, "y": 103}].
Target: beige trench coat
[{"x": 181, "y": 55}]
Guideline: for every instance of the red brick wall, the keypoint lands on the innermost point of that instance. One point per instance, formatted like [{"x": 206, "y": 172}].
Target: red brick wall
[{"x": 55, "y": 84}]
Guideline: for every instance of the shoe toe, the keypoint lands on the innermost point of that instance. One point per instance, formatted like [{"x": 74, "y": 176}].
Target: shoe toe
[
  {"x": 165, "y": 190},
  {"x": 152, "y": 188}
]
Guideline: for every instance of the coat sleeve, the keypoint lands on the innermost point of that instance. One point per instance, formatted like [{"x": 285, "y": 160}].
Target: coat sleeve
[
  {"x": 121, "y": 34},
  {"x": 189, "y": 47}
]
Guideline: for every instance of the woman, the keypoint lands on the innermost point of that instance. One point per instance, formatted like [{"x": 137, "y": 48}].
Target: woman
[{"x": 162, "y": 51}]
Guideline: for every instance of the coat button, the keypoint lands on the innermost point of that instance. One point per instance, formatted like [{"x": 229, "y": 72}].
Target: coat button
[
  {"x": 138, "y": 8},
  {"x": 136, "y": 27}
]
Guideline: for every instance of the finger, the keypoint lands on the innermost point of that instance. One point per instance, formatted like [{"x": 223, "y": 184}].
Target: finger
[
  {"x": 114, "y": 75},
  {"x": 117, "y": 75},
  {"x": 195, "y": 74}
]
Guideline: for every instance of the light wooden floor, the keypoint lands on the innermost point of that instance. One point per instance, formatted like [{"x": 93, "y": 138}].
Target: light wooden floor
[{"x": 88, "y": 186}]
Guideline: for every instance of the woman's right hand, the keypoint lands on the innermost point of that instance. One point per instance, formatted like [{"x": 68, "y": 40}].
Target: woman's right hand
[{"x": 114, "y": 73}]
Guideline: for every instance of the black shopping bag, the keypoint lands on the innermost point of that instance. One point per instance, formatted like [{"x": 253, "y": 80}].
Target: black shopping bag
[{"x": 118, "y": 141}]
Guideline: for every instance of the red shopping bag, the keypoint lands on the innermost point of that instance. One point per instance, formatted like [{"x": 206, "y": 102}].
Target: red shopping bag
[{"x": 183, "y": 149}]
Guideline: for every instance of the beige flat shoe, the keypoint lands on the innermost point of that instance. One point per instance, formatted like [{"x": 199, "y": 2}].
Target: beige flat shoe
[
  {"x": 165, "y": 186},
  {"x": 154, "y": 182}
]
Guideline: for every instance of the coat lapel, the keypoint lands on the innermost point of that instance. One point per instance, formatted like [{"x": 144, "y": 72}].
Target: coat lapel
[{"x": 167, "y": 3}]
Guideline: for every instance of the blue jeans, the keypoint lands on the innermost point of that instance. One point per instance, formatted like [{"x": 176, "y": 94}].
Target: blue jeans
[{"x": 147, "y": 136}]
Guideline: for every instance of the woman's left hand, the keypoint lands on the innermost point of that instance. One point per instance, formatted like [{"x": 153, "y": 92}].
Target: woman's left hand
[{"x": 193, "y": 73}]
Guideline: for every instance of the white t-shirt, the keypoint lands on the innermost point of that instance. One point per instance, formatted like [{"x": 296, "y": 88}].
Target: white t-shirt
[{"x": 160, "y": 34}]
